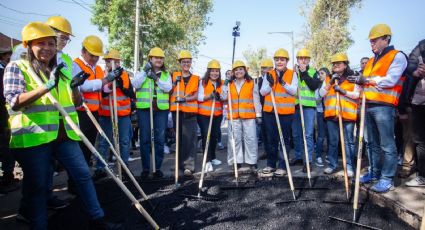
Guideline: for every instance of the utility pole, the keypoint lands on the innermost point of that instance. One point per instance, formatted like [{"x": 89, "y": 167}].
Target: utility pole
[
  {"x": 235, "y": 34},
  {"x": 136, "y": 38}
]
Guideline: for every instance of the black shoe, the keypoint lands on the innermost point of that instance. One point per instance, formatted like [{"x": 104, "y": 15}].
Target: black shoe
[
  {"x": 103, "y": 224},
  {"x": 71, "y": 187},
  {"x": 158, "y": 174},
  {"x": 99, "y": 174},
  {"x": 144, "y": 175},
  {"x": 305, "y": 168},
  {"x": 296, "y": 162},
  {"x": 55, "y": 203}
]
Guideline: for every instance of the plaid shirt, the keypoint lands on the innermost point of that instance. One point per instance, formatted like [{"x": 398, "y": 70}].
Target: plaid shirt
[{"x": 13, "y": 82}]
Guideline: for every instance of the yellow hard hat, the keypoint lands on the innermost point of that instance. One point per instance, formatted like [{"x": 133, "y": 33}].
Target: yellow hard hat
[
  {"x": 267, "y": 63},
  {"x": 156, "y": 52},
  {"x": 303, "y": 53},
  {"x": 238, "y": 63},
  {"x": 35, "y": 30},
  {"x": 214, "y": 64},
  {"x": 339, "y": 57},
  {"x": 93, "y": 45},
  {"x": 60, "y": 23},
  {"x": 112, "y": 54},
  {"x": 379, "y": 31},
  {"x": 281, "y": 53},
  {"x": 184, "y": 54}
]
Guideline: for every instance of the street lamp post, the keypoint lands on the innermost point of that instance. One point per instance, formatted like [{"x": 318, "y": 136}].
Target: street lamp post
[
  {"x": 291, "y": 35},
  {"x": 235, "y": 34}
]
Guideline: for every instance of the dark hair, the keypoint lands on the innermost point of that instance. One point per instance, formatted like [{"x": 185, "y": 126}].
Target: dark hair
[
  {"x": 162, "y": 67},
  {"x": 246, "y": 76},
  {"x": 364, "y": 58},
  {"x": 326, "y": 70},
  {"x": 36, "y": 64},
  {"x": 206, "y": 78}
]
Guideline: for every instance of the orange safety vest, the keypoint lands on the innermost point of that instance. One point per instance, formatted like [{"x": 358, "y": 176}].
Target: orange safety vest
[
  {"x": 348, "y": 105},
  {"x": 285, "y": 103},
  {"x": 380, "y": 69},
  {"x": 92, "y": 99},
  {"x": 190, "y": 88},
  {"x": 206, "y": 106},
  {"x": 123, "y": 102},
  {"x": 242, "y": 103}
]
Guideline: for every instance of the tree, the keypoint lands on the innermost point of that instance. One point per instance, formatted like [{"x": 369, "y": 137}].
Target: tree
[
  {"x": 172, "y": 25},
  {"x": 253, "y": 58},
  {"x": 327, "y": 28}
]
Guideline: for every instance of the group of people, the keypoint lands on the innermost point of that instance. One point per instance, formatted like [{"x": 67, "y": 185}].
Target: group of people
[{"x": 302, "y": 97}]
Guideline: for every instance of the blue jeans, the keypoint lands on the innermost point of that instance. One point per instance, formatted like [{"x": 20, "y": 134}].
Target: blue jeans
[
  {"x": 159, "y": 123},
  {"x": 333, "y": 130},
  {"x": 321, "y": 134},
  {"x": 381, "y": 142},
  {"x": 36, "y": 163},
  {"x": 309, "y": 114},
  {"x": 273, "y": 139},
  {"x": 124, "y": 127}
]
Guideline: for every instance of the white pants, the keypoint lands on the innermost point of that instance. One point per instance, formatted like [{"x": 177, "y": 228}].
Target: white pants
[{"x": 246, "y": 143}]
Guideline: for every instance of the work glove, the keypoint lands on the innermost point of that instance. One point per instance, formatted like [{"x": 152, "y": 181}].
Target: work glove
[
  {"x": 178, "y": 79},
  {"x": 259, "y": 120},
  {"x": 154, "y": 76},
  {"x": 338, "y": 88},
  {"x": 281, "y": 81},
  {"x": 54, "y": 77},
  {"x": 216, "y": 95},
  {"x": 119, "y": 82},
  {"x": 270, "y": 79},
  {"x": 303, "y": 75},
  {"x": 79, "y": 79},
  {"x": 180, "y": 100},
  {"x": 227, "y": 81},
  {"x": 359, "y": 80},
  {"x": 335, "y": 78},
  {"x": 114, "y": 74},
  {"x": 148, "y": 67}
]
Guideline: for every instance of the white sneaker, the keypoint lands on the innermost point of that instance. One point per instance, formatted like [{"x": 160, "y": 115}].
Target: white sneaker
[
  {"x": 209, "y": 167},
  {"x": 416, "y": 182},
  {"x": 280, "y": 172},
  {"x": 130, "y": 159},
  {"x": 319, "y": 162},
  {"x": 267, "y": 170},
  {"x": 137, "y": 144},
  {"x": 329, "y": 170},
  {"x": 216, "y": 162},
  {"x": 166, "y": 150},
  {"x": 350, "y": 173},
  {"x": 220, "y": 146}
]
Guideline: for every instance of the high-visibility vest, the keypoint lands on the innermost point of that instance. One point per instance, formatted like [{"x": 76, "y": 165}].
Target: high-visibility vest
[
  {"x": 142, "y": 93},
  {"x": 242, "y": 103},
  {"x": 67, "y": 71},
  {"x": 92, "y": 99},
  {"x": 308, "y": 97},
  {"x": 38, "y": 123},
  {"x": 205, "y": 106},
  {"x": 348, "y": 105},
  {"x": 380, "y": 68},
  {"x": 285, "y": 103},
  {"x": 123, "y": 101},
  {"x": 190, "y": 88}
]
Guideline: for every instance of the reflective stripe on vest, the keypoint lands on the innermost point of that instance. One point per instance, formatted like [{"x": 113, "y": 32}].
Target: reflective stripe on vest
[
  {"x": 379, "y": 69},
  {"x": 206, "y": 106},
  {"x": 142, "y": 94},
  {"x": 348, "y": 105},
  {"x": 38, "y": 123},
  {"x": 92, "y": 99},
  {"x": 189, "y": 89},
  {"x": 123, "y": 102},
  {"x": 285, "y": 103},
  {"x": 308, "y": 97},
  {"x": 242, "y": 103}
]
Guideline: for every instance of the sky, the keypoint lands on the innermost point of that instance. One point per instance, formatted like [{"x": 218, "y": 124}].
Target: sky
[{"x": 257, "y": 17}]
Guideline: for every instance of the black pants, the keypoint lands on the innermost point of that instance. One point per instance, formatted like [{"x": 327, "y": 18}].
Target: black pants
[
  {"x": 187, "y": 139},
  {"x": 90, "y": 131},
  {"x": 203, "y": 122},
  {"x": 418, "y": 114},
  {"x": 7, "y": 159}
]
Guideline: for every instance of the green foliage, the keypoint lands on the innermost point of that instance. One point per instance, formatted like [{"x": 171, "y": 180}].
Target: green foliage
[
  {"x": 253, "y": 59},
  {"x": 327, "y": 28},
  {"x": 172, "y": 25}
]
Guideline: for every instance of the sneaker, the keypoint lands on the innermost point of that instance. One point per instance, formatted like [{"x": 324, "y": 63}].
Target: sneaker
[
  {"x": 166, "y": 150},
  {"x": 209, "y": 167},
  {"x": 220, "y": 146},
  {"x": 296, "y": 162},
  {"x": 367, "y": 178},
  {"x": 130, "y": 159},
  {"x": 280, "y": 172},
  {"x": 350, "y": 173},
  {"x": 383, "y": 186},
  {"x": 55, "y": 173},
  {"x": 319, "y": 162},
  {"x": 187, "y": 173},
  {"x": 55, "y": 203},
  {"x": 216, "y": 162},
  {"x": 158, "y": 174},
  {"x": 144, "y": 175},
  {"x": 99, "y": 174},
  {"x": 267, "y": 170},
  {"x": 22, "y": 219},
  {"x": 416, "y": 182},
  {"x": 102, "y": 223},
  {"x": 305, "y": 168},
  {"x": 329, "y": 170}
]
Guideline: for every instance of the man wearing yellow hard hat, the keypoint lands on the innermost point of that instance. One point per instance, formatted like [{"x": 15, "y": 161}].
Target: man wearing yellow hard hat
[
  {"x": 92, "y": 49},
  {"x": 382, "y": 82}
]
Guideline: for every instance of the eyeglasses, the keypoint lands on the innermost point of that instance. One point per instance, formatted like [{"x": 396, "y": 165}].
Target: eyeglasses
[
  {"x": 64, "y": 39},
  {"x": 186, "y": 62}
]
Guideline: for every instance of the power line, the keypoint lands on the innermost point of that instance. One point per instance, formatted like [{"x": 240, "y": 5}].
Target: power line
[
  {"x": 84, "y": 7},
  {"x": 21, "y": 12}
]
